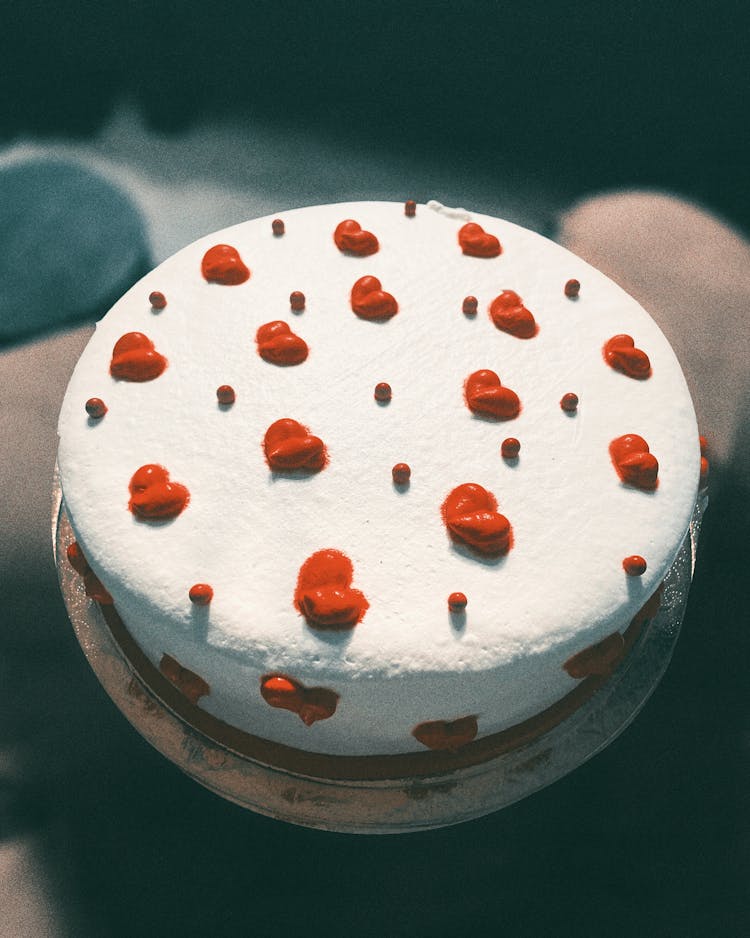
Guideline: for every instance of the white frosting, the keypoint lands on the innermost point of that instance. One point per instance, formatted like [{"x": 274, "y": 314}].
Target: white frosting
[{"x": 245, "y": 532}]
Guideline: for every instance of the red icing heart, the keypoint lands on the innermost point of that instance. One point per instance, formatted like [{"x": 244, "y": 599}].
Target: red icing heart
[
  {"x": 369, "y": 301},
  {"x": 92, "y": 585},
  {"x": 289, "y": 445},
  {"x": 324, "y": 594},
  {"x": 187, "y": 682},
  {"x": 310, "y": 703},
  {"x": 350, "y": 237},
  {"x": 153, "y": 497},
  {"x": 485, "y": 395},
  {"x": 634, "y": 463},
  {"x": 510, "y": 315},
  {"x": 622, "y": 355},
  {"x": 222, "y": 264},
  {"x": 601, "y": 658},
  {"x": 134, "y": 358},
  {"x": 475, "y": 241},
  {"x": 278, "y": 345},
  {"x": 471, "y": 516},
  {"x": 448, "y": 735}
]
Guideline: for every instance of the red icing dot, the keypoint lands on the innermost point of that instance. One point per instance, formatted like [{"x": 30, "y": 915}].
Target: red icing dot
[
  {"x": 634, "y": 462},
  {"x": 485, "y": 395},
  {"x": 278, "y": 345},
  {"x": 288, "y": 445},
  {"x": 600, "y": 659},
  {"x": 383, "y": 392},
  {"x": 510, "y": 448},
  {"x": 634, "y": 565},
  {"x": 621, "y": 354},
  {"x": 370, "y": 301},
  {"x": 476, "y": 242},
  {"x": 410, "y": 208},
  {"x": 92, "y": 585},
  {"x": 153, "y": 497},
  {"x": 277, "y": 226},
  {"x": 457, "y": 602},
  {"x": 134, "y": 358},
  {"x": 201, "y": 594},
  {"x": 297, "y": 300},
  {"x": 225, "y": 394},
  {"x": 223, "y": 264},
  {"x": 96, "y": 408},
  {"x": 309, "y": 703},
  {"x": 469, "y": 306},
  {"x": 187, "y": 682},
  {"x": 157, "y": 300},
  {"x": 401, "y": 473},
  {"x": 569, "y": 402},
  {"x": 352, "y": 239},
  {"x": 471, "y": 517},
  {"x": 324, "y": 594},
  {"x": 703, "y": 442},
  {"x": 450, "y": 735},
  {"x": 76, "y": 559},
  {"x": 509, "y": 315},
  {"x": 572, "y": 289}
]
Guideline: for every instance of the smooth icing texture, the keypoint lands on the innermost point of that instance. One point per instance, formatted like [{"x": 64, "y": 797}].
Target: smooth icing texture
[{"x": 402, "y": 659}]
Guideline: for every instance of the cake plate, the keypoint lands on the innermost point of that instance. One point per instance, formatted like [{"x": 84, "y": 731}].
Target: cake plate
[{"x": 383, "y": 806}]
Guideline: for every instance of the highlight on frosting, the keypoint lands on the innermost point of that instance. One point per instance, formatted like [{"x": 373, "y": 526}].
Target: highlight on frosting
[
  {"x": 485, "y": 395},
  {"x": 370, "y": 301},
  {"x": 324, "y": 593},
  {"x": 186, "y": 681},
  {"x": 471, "y": 517},
  {"x": 289, "y": 445},
  {"x": 278, "y": 345},
  {"x": 446, "y": 735},
  {"x": 222, "y": 264},
  {"x": 599, "y": 659},
  {"x": 352, "y": 239},
  {"x": 309, "y": 703},
  {"x": 154, "y": 497},
  {"x": 635, "y": 464},
  {"x": 621, "y": 354},
  {"x": 134, "y": 358},
  {"x": 508, "y": 314},
  {"x": 476, "y": 242}
]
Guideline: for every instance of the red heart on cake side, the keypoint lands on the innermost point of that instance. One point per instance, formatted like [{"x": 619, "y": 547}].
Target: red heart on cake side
[
  {"x": 290, "y": 445},
  {"x": 370, "y": 301},
  {"x": 446, "y": 735},
  {"x": 186, "y": 681},
  {"x": 476, "y": 242},
  {"x": 222, "y": 264},
  {"x": 153, "y": 497},
  {"x": 600, "y": 659},
  {"x": 471, "y": 517},
  {"x": 485, "y": 395},
  {"x": 509, "y": 315},
  {"x": 278, "y": 345},
  {"x": 324, "y": 594},
  {"x": 134, "y": 358},
  {"x": 309, "y": 703},
  {"x": 621, "y": 354},
  {"x": 633, "y": 461},
  {"x": 352, "y": 239}
]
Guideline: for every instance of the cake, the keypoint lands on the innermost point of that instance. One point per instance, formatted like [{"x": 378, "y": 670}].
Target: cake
[{"x": 372, "y": 488}]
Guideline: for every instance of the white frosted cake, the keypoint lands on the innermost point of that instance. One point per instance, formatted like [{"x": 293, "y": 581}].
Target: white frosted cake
[{"x": 375, "y": 519}]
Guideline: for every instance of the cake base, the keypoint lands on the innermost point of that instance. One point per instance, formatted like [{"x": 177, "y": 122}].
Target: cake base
[{"x": 408, "y": 793}]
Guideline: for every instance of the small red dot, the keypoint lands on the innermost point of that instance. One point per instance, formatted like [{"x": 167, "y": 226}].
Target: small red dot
[
  {"x": 470, "y": 306},
  {"x": 572, "y": 289},
  {"x": 225, "y": 394},
  {"x": 96, "y": 408},
  {"x": 383, "y": 391},
  {"x": 510, "y": 448},
  {"x": 703, "y": 444},
  {"x": 401, "y": 473},
  {"x": 277, "y": 226},
  {"x": 457, "y": 602},
  {"x": 297, "y": 300},
  {"x": 569, "y": 402},
  {"x": 157, "y": 300},
  {"x": 201, "y": 594},
  {"x": 410, "y": 208},
  {"x": 634, "y": 566}
]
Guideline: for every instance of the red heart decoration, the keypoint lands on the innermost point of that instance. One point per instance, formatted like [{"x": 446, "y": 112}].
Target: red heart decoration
[
  {"x": 289, "y": 445},
  {"x": 278, "y": 345},
  {"x": 622, "y": 355},
  {"x": 352, "y": 239},
  {"x": 222, "y": 264},
  {"x": 187, "y": 682},
  {"x": 309, "y": 703},
  {"x": 601, "y": 658},
  {"x": 324, "y": 594},
  {"x": 485, "y": 395},
  {"x": 448, "y": 735},
  {"x": 134, "y": 358},
  {"x": 633, "y": 461},
  {"x": 510, "y": 315},
  {"x": 476, "y": 242},
  {"x": 471, "y": 516},
  {"x": 153, "y": 497},
  {"x": 369, "y": 301}
]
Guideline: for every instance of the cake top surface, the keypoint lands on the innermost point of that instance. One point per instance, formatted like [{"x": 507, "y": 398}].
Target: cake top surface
[{"x": 247, "y": 529}]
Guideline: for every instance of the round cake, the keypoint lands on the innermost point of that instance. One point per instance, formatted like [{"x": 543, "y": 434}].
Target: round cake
[{"x": 370, "y": 480}]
